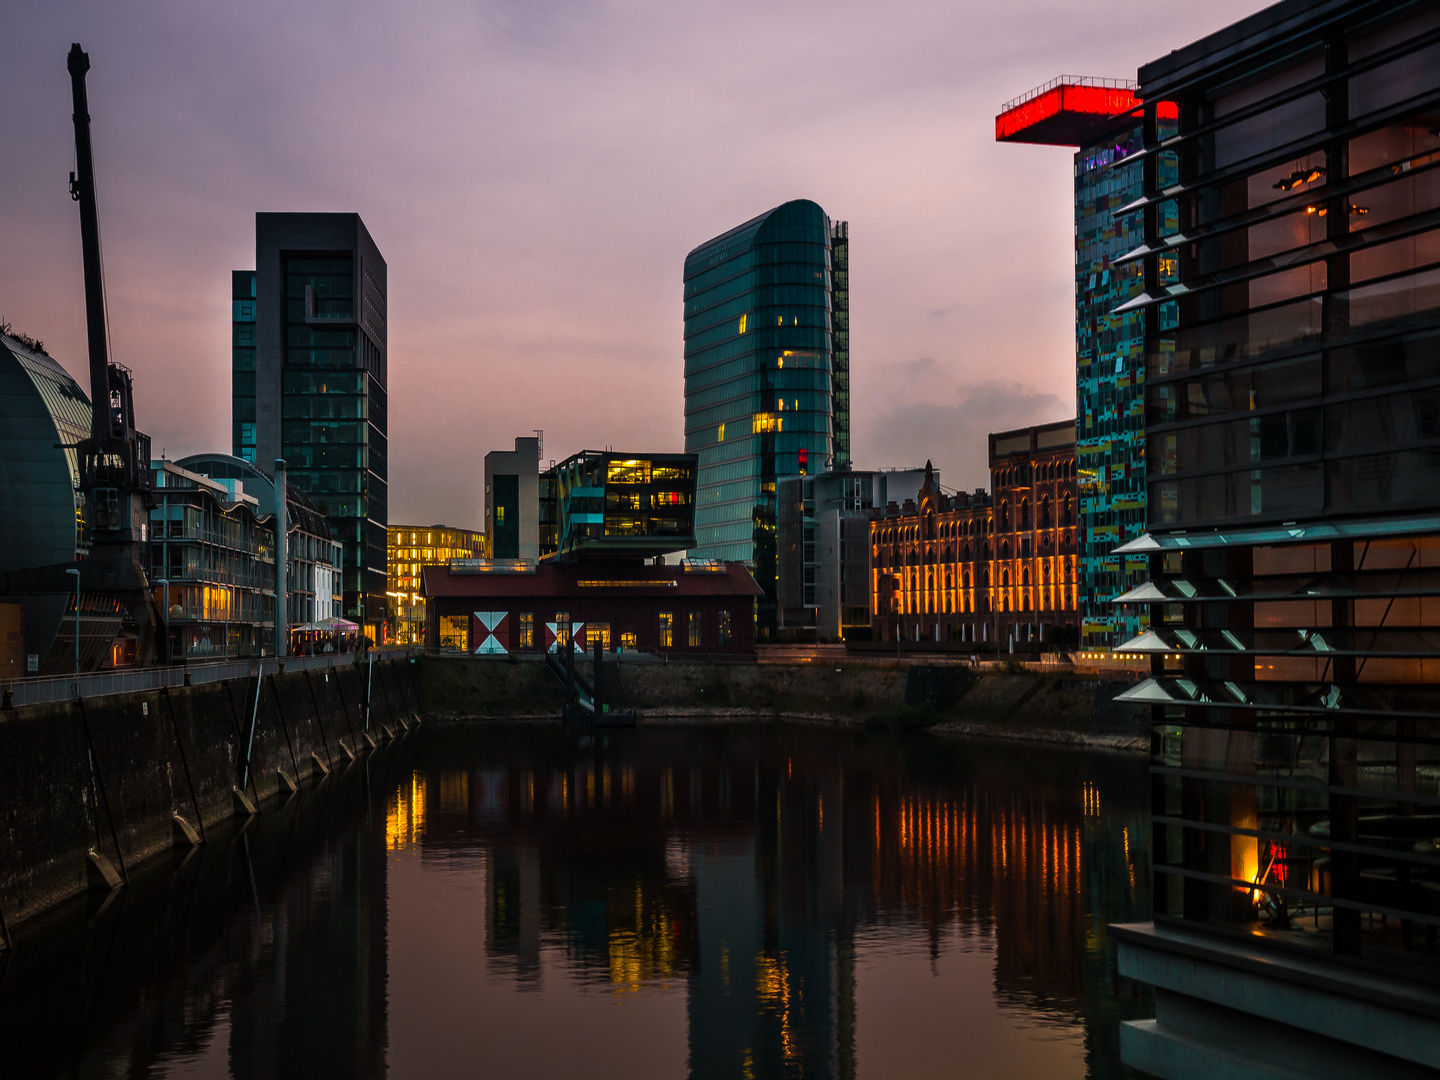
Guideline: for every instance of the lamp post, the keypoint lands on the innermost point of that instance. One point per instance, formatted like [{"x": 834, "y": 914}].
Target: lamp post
[
  {"x": 76, "y": 572},
  {"x": 166, "y": 582}
]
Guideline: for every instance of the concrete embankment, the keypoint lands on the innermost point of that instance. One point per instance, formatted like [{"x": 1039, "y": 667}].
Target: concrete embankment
[
  {"x": 91, "y": 788},
  {"x": 947, "y": 699}
]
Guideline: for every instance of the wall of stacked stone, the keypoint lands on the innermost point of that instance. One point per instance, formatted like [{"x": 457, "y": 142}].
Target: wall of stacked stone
[{"x": 91, "y": 788}]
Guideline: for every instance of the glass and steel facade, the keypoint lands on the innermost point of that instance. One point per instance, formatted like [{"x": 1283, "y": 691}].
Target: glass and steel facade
[
  {"x": 43, "y": 416},
  {"x": 607, "y": 504},
  {"x": 1291, "y": 304},
  {"x": 759, "y": 355},
  {"x": 1097, "y": 116},
  {"x": 242, "y": 364},
  {"x": 319, "y": 383},
  {"x": 1109, "y": 388}
]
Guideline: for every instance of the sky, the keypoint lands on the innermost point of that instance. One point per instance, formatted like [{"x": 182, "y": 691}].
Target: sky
[{"x": 534, "y": 174}]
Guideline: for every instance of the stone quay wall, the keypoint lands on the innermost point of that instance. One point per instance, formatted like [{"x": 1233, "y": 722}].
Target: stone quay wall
[{"x": 90, "y": 788}]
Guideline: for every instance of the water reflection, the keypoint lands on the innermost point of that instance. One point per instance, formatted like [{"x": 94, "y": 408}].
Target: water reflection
[
  {"x": 751, "y": 867},
  {"x": 735, "y": 902}
]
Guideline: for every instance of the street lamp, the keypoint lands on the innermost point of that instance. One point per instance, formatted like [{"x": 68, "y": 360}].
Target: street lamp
[{"x": 76, "y": 572}]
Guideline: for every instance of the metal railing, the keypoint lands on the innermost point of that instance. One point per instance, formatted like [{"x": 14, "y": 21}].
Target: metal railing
[
  {"x": 37, "y": 691},
  {"x": 1069, "y": 80}
]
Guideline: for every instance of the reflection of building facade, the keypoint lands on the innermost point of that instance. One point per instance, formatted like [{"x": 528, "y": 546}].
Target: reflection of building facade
[
  {"x": 823, "y": 545},
  {"x": 1088, "y": 114},
  {"x": 984, "y": 568},
  {"x": 759, "y": 377},
  {"x": 749, "y": 867},
  {"x": 309, "y": 382},
  {"x": 1292, "y": 316},
  {"x": 408, "y": 549}
]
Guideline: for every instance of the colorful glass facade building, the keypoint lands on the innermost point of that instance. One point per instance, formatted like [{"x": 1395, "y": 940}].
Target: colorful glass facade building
[
  {"x": 1096, "y": 116},
  {"x": 760, "y": 378},
  {"x": 606, "y": 504}
]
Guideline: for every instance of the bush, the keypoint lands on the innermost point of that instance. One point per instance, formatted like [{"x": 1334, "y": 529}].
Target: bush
[{"x": 1011, "y": 666}]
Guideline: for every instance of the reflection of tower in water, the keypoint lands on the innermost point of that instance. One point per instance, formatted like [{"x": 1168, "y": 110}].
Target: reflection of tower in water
[{"x": 745, "y": 866}]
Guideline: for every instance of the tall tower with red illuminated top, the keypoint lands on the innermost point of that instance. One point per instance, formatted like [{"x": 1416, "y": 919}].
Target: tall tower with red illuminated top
[{"x": 1101, "y": 119}]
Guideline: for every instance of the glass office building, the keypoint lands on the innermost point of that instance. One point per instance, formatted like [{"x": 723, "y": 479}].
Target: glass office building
[
  {"x": 1290, "y": 256},
  {"x": 310, "y": 383},
  {"x": 1097, "y": 117},
  {"x": 759, "y": 379}
]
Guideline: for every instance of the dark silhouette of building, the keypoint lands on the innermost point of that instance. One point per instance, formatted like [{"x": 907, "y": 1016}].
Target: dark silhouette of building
[
  {"x": 309, "y": 382},
  {"x": 1291, "y": 307}
]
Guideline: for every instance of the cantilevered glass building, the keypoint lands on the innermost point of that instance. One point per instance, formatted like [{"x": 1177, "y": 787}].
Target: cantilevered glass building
[
  {"x": 1098, "y": 118},
  {"x": 759, "y": 378}
]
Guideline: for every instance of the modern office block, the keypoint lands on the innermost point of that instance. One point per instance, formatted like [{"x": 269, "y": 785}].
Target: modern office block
[
  {"x": 1100, "y": 119},
  {"x": 759, "y": 378},
  {"x": 823, "y": 544},
  {"x": 1290, "y": 257},
  {"x": 309, "y": 378},
  {"x": 410, "y": 549},
  {"x": 605, "y": 504},
  {"x": 512, "y": 501}
]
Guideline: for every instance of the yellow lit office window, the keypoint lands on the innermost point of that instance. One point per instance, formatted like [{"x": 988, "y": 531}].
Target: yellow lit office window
[
  {"x": 527, "y": 630},
  {"x": 695, "y": 635},
  {"x": 627, "y": 641},
  {"x": 454, "y": 633},
  {"x": 667, "y": 629},
  {"x": 742, "y": 324},
  {"x": 722, "y": 433}
]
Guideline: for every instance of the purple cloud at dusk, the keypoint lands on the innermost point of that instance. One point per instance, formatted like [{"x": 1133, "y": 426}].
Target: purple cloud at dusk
[{"x": 536, "y": 172}]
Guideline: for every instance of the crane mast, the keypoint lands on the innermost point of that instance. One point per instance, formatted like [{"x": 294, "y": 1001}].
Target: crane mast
[{"x": 115, "y": 460}]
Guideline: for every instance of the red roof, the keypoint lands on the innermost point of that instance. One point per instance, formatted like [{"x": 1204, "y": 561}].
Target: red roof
[{"x": 599, "y": 578}]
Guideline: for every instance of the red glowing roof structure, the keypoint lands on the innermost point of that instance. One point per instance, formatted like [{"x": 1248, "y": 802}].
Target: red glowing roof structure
[{"x": 1071, "y": 110}]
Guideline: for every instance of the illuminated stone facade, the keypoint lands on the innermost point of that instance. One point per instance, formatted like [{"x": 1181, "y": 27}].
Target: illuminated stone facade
[{"x": 984, "y": 567}]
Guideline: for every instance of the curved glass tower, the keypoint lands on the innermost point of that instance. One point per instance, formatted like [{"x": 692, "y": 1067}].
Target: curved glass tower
[{"x": 759, "y": 367}]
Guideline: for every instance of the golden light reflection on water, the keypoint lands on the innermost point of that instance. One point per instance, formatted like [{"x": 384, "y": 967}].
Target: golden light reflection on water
[
  {"x": 405, "y": 814},
  {"x": 645, "y": 952}
]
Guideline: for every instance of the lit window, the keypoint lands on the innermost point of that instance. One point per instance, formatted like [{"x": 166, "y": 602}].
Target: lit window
[
  {"x": 722, "y": 629},
  {"x": 527, "y": 630},
  {"x": 695, "y": 631},
  {"x": 667, "y": 629},
  {"x": 742, "y": 324},
  {"x": 722, "y": 433}
]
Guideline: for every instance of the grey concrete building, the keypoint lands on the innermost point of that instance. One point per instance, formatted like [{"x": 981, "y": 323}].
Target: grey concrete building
[
  {"x": 512, "y": 501},
  {"x": 823, "y": 545}
]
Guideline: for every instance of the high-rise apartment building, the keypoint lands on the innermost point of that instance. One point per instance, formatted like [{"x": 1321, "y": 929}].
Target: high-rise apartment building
[
  {"x": 1289, "y": 250},
  {"x": 760, "y": 378},
  {"x": 1098, "y": 118},
  {"x": 309, "y": 382}
]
